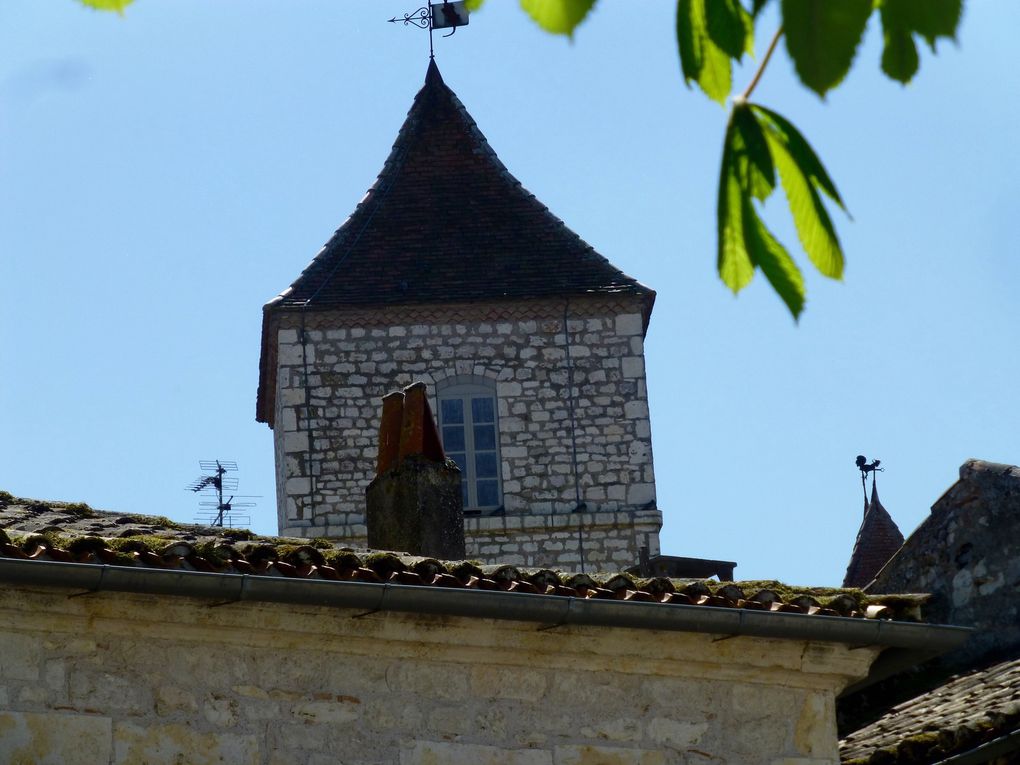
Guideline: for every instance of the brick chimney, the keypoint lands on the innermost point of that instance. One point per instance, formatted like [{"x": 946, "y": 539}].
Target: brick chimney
[{"x": 414, "y": 502}]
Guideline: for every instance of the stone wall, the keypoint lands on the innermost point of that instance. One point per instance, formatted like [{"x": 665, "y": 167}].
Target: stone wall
[
  {"x": 610, "y": 541},
  {"x": 967, "y": 555},
  {"x": 114, "y": 678},
  {"x": 334, "y": 367}
]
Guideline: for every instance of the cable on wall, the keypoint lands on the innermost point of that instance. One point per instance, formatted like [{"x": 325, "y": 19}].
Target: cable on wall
[{"x": 579, "y": 505}]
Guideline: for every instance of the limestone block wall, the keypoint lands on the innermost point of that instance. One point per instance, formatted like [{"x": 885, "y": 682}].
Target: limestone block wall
[
  {"x": 609, "y": 541},
  {"x": 118, "y": 679},
  {"x": 538, "y": 357}
]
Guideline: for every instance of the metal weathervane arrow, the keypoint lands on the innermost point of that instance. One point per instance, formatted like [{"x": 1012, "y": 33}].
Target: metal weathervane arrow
[{"x": 445, "y": 15}]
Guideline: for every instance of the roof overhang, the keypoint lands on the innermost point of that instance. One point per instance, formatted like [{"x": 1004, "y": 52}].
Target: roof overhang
[{"x": 907, "y": 638}]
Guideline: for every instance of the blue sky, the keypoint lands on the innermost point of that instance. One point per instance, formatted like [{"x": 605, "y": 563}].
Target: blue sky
[{"x": 166, "y": 173}]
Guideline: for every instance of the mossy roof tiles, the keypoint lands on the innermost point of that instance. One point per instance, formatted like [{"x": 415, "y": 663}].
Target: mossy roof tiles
[
  {"x": 957, "y": 717},
  {"x": 74, "y": 533}
]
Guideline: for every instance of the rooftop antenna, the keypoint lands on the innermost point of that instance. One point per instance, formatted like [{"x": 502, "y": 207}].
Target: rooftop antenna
[
  {"x": 444, "y": 15},
  {"x": 213, "y": 485},
  {"x": 865, "y": 468}
]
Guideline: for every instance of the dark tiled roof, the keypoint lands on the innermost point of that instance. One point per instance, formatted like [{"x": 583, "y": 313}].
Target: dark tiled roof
[
  {"x": 446, "y": 222},
  {"x": 77, "y": 534},
  {"x": 966, "y": 712},
  {"x": 877, "y": 541}
]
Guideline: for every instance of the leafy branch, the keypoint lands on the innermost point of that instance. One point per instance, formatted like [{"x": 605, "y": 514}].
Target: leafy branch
[{"x": 822, "y": 37}]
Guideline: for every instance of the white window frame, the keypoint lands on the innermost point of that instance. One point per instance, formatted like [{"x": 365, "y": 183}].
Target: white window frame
[{"x": 464, "y": 388}]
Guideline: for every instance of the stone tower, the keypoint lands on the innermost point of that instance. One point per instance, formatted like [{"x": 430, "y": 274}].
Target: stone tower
[{"x": 530, "y": 342}]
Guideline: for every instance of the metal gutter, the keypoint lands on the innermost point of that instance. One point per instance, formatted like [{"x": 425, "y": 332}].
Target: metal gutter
[{"x": 549, "y": 610}]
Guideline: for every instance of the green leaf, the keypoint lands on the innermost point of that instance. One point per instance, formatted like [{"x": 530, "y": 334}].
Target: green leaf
[
  {"x": 805, "y": 156},
  {"x": 773, "y": 260},
  {"x": 902, "y": 19},
  {"x": 560, "y": 17},
  {"x": 822, "y": 38},
  {"x": 753, "y": 163},
  {"x": 899, "y": 54},
  {"x": 929, "y": 18},
  {"x": 688, "y": 41},
  {"x": 473, "y": 5},
  {"x": 729, "y": 26},
  {"x": 799, "y": 171},
  {"x": 701, "y": 60},
  {"x": 107, "y": 5},
  {"x": 733, "y": 261}
]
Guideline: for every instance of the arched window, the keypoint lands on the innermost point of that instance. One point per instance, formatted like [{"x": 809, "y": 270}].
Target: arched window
[{"x": 469, "y": 429}]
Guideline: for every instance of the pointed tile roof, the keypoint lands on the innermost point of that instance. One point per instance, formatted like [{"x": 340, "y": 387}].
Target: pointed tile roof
[
  {"x": 877, "y": 541},
  {"x": 446, "y": 222}
]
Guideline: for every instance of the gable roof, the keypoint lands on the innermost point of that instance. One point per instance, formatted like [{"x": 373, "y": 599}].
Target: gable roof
[
  {"x": 446, "y": 222},
  {"x": 877, "y": 541},
  {"x": 976, "y": 711}
]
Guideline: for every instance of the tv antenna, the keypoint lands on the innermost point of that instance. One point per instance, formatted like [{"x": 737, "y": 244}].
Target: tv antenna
[{"x": 213, "y": 485}]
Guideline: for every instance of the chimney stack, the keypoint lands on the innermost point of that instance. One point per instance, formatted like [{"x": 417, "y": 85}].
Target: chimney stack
[{"x": 414, "y": 502}]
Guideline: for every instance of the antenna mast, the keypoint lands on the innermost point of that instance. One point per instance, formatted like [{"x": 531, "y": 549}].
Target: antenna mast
[{"x": 214, "y": 484}]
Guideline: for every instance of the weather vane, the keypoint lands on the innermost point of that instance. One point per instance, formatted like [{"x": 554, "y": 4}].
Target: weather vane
[
  {"x": 865, "y": 468},
  {"x": 444, "y": 15}
]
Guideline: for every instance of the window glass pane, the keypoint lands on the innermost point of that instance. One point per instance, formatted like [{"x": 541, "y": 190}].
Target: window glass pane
[
  {"x": 488, "y": 494},
  {"x": 453, "y": 410},
  {"x": 482, "y": 410},
  {"x": 464, "y": 492},
  {"x": 485, "y": 437},
  {"x": 453, "y": 438},
  {"x": 485, "y": 464}
]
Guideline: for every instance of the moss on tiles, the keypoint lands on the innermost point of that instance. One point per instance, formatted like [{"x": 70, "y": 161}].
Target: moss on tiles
[
  {"x": 384, "y": 563},
  {"x": 342, "y": 559},
  {"x": 140, "y": 543},
  {"x": 466, "y": 569},
  {"x": 77, "y": 509}
]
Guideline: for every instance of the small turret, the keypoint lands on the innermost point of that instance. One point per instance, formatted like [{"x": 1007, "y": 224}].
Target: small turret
[{"x": 878, "y": 538}]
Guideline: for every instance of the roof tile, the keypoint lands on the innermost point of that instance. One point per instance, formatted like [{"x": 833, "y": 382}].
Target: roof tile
[
  {"x": 446, "y": 222},
  {"x": 168, "y": 545}
]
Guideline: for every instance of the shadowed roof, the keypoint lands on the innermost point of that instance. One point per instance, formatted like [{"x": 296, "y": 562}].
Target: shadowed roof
[
  {"x": 877, "y": 541},
  {"x": 975, "y": 713},
  {"x": 446, "y": 222}
]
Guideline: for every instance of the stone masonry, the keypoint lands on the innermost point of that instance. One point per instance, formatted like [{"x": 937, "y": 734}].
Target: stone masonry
[
  {"x": 119, "y": 679},
  {"x": 335, "y": 366},
  {"x": 966, "y": 553}
]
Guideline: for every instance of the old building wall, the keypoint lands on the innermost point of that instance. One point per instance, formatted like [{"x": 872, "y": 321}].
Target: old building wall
[
  {"x": 334, "y": 367},
  {"x": 967, "y": 555},
  {"x": 120, "y": 678}
]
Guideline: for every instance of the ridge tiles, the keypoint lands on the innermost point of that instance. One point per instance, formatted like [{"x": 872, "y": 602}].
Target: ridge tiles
[{"x": 446, "y": 222}]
